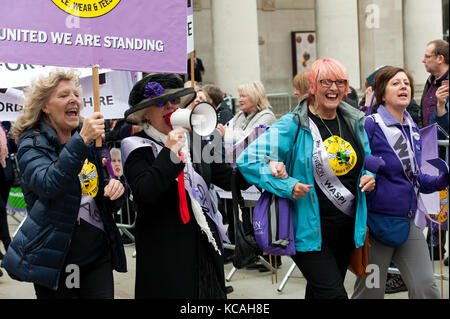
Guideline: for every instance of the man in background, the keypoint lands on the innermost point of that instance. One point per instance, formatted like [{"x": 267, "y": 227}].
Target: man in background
[{"x": 199, "y": 69}]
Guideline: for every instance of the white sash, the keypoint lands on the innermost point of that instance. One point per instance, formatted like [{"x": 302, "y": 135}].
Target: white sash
[
  {"x": 194, "y": 184},
  {"x": 324, "y": 175},
  {"x": 400, "y": 145},
  {"x": 405, "y": 154},
  {"x": 89, "y": 212}
]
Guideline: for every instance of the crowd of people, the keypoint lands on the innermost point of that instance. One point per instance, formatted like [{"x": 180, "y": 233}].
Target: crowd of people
[{"x": 369, "y": 152}]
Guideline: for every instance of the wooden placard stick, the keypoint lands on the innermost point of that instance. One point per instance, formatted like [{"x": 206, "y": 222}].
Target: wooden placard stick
[
  {"x": 440, "y": 260},
  {"x": 96, "y": 90},
  {"x": 192, "y": 74}
]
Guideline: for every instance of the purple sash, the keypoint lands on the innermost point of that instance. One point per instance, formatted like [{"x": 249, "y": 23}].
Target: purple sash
[
  {"x": 193, "y": 182},
  {"x": 89, "y": 212}
]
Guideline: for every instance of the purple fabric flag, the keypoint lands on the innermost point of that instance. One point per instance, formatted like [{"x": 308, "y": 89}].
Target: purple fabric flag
[
  {"x": 132, "y": 35},
  {"x": 429, "y": 148},
  {"x": 431, "y": 202}
]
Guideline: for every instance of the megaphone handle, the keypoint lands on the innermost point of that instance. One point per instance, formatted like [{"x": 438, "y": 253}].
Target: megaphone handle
[{"x": 184, "y": 211}]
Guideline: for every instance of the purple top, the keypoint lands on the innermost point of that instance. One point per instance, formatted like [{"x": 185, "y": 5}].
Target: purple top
[
  {"x": 429, "y": 101},
  {"x": 393, "y": 194}
]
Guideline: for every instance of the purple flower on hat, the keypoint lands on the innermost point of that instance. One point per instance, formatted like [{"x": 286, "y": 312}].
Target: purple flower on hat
[{"x": 153, "y": 89}]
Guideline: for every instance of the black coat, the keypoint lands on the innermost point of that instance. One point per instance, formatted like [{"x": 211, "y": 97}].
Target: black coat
[
  {"x": 173, "y": 260},
  {"x": 223, "y": 114}
]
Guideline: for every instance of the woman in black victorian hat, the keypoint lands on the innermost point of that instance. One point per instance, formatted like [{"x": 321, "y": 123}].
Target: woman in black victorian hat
[{"x": 179, "y": 234}]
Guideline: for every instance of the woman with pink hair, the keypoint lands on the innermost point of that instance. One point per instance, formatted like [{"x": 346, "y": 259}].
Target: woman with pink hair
[{"x": 325, "y": 138}]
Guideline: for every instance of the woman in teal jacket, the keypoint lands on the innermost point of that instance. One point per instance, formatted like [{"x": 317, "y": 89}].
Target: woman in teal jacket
[{"x": 326, "y": 181}]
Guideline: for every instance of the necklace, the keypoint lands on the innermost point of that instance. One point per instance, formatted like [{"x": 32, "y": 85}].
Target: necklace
[{"x": 341, "y": 155}]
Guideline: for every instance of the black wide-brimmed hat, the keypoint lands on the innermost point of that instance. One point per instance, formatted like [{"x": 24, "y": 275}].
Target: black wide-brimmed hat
[{"x": 154, "y": 89}]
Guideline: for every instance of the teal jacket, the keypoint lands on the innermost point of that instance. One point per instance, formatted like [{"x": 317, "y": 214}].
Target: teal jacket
[{"x": 277, "y": 144}]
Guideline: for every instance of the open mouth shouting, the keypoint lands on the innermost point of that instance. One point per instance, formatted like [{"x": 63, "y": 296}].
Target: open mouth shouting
[
  {"x": 403, "y": 95},
  {"x": 72, "y": 112}
]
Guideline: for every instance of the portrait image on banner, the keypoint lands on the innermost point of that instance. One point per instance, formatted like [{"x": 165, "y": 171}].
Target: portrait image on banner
[{"x": 304, "y": 51}]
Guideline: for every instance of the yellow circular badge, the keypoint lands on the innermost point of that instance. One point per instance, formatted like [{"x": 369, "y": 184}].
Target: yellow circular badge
[
  {"x": 341, "y": 155},
  {"x": 86, "y": 8},
  {"x": 89, "y": 179}
]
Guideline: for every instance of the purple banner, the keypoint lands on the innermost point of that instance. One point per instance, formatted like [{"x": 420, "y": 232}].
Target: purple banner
[
  {"x": 435, "y": 210},
  {"x": 428, "y": 135},
  {"x": 132, "y": 35}
]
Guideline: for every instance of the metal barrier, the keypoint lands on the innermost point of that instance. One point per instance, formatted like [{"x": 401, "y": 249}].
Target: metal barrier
[{"x": 123, "y": 226}]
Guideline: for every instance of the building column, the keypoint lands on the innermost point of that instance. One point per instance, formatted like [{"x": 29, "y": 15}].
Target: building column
[
  {"x": 380, "y": 35},
  {"x": 337, "y": 34},
  {"x": 422, "y": 24},
  {"x": 235, "y": 43}
]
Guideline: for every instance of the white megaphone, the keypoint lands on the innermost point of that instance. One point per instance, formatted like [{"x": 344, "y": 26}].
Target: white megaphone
[{"x": 202, "y": 119}]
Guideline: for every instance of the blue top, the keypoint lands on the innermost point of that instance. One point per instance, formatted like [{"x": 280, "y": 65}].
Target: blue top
[
  {"x": 277, "y": 144},
  {"x": 52, "y": 192},
  {"x": 393, "y": 194}
]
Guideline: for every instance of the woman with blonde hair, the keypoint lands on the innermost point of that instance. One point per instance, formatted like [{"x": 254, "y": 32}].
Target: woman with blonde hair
[
  {"x": 254, "y": 111},
  {"x": 70, "y": 200}
]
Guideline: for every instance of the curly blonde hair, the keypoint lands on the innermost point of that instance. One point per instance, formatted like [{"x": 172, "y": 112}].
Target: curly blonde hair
[{"x": 37, "y": 96}]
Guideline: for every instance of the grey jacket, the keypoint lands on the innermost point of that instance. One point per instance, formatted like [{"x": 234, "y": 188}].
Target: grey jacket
[{"x": 243, "y": 125}]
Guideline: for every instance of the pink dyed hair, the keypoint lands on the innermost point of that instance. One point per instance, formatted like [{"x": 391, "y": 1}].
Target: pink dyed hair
[{"x": 324, "y": 69}]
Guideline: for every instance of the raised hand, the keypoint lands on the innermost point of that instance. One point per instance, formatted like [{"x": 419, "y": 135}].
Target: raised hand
[{"x": 93, "y": 127}]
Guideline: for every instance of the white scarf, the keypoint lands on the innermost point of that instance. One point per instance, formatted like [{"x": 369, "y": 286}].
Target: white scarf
[{"x": 196, "y": 208}]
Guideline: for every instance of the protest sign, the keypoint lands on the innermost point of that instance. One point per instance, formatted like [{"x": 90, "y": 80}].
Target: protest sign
[
  {"x": 190, "y": 27},
  {"x": 114, "y": 89},
  {"x": 132, "y": 35},
  {"x": 11, "y": 104},
  {"x": 428, "y": 135},
  {"x": 251, "y": 194},
  {"x": 14, "y": 75}
]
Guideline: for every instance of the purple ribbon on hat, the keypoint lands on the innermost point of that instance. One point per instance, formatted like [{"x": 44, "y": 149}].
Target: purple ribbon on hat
[{"x": 153, "y": 89}]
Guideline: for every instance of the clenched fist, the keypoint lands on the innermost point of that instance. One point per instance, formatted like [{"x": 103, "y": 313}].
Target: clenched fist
[
  {"x": 114, "y": 189},
  {"x": 93, "y": 127},
  {"x": 176, "y": 139}
]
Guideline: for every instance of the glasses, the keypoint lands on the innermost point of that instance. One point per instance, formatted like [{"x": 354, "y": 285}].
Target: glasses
[
  {"x": 426, "y": 56},
  {"x": 176, "y": 101},
  {"x": 327, "y": 83}
]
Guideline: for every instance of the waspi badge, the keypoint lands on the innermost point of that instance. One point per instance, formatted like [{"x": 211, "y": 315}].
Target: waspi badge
[
  {"x": 89, "y": 179},
  {"x": 341, "y": 155}
]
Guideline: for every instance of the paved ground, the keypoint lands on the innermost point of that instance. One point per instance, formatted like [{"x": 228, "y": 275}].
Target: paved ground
[{"x": 247, "y": 284}]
